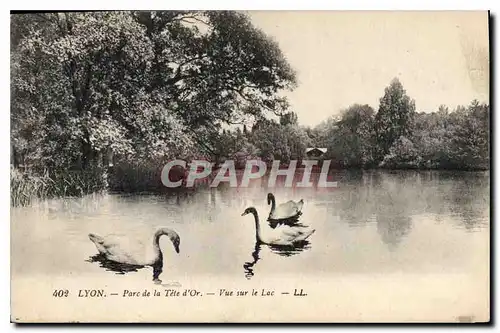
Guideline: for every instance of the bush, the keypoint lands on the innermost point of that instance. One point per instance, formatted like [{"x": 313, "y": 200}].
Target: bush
[
  {"x": 133, "y": 177},
  {"x": 402, "y": 154}
]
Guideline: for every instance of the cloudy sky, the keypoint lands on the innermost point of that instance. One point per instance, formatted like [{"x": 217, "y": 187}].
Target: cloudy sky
[{"x": 350, "y": 57}]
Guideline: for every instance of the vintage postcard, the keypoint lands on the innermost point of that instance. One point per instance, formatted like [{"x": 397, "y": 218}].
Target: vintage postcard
[{"x": 259, "y": 166}]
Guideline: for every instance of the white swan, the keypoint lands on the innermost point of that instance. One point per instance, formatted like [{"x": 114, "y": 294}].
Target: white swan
[
  {"x": 284, "y": 211},
  {"x": 123, "y": 249},
  {"x": 282, "y": 235}
]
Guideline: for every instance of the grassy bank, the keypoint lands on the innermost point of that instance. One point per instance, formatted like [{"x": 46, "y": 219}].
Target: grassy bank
[{"x": 27, "y": 187}]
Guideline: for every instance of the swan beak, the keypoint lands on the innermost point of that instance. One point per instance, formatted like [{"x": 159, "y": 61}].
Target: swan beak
[
  {"x": 243, "y": 214},
  {"x": 177, "y": 249}
]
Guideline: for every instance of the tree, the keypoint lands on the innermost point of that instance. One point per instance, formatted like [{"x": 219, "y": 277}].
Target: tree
[
  {"x": 394, "y": 117},
  {"x": 289, "y": 118},
  {"x": 215, "y": 67},
  {"x": 142, "y": 84},
  {"x": 469, "y": 144},
  {"x": 82, "y": 75},
  {"x": 271, "y": 139},
  {"x": 355, "y": 132},
  {"x": 297, "y": 141},
  {"x": 349, "y": 137}
]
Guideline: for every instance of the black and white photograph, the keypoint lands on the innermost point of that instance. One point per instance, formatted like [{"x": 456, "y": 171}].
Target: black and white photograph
[{"x": 226, "y": 166}]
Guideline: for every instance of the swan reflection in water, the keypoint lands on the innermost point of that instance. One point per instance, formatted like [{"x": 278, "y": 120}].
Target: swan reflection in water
[
  {"x": 122, "y": 269},
  {"x": 283, "y": 250},
  {"x": 113, "y": 266}
]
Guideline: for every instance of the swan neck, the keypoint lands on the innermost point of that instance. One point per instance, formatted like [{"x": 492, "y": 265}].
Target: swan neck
[
  {"x": 273, "y": 203},
  {"x": 158, "y": 234},
  {"x": 156, "y": 240},
  {"x": 257, "y": 225},
  {"x": 171, "y": 234}
]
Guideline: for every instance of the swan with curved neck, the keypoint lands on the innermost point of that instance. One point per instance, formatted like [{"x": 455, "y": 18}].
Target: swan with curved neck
[
  {"x": 272, "y": 201},
  {"x": 122, "y": 249},
  {"x": 282, "y": 235},
  {"x": 288, "y": 211},
  {"x": 252, "y": 210}
]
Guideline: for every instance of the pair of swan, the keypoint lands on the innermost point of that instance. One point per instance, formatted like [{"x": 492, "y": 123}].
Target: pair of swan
[
  {"x": 280, "y": 219},
  {"x": 121, "y": 249}
]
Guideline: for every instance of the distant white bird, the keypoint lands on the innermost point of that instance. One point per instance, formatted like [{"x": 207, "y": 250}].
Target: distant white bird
[
  {"x": 281, "y": 235},
  {"x": 289, "y": 210},
  {"x": 126, "y": 250}
]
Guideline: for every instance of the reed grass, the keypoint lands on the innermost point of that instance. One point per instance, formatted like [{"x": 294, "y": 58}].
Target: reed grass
[{"x": 26, "y": 187}]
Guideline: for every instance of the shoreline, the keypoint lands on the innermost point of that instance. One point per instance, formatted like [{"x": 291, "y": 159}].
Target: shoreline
[{"x": 159, "y": 190}]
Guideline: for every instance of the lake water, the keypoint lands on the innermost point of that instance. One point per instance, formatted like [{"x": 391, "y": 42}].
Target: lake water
[{"x": 406, "y": 225}]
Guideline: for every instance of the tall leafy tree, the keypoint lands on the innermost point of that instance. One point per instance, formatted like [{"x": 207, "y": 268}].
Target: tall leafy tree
[{"x": 394, "y": 117}]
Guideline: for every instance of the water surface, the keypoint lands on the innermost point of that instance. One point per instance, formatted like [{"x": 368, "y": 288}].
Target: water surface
[{"x": 429, "y": 224}]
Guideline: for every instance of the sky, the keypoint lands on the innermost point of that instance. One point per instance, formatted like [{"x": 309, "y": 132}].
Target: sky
[{"x": 343, "y": 58}]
